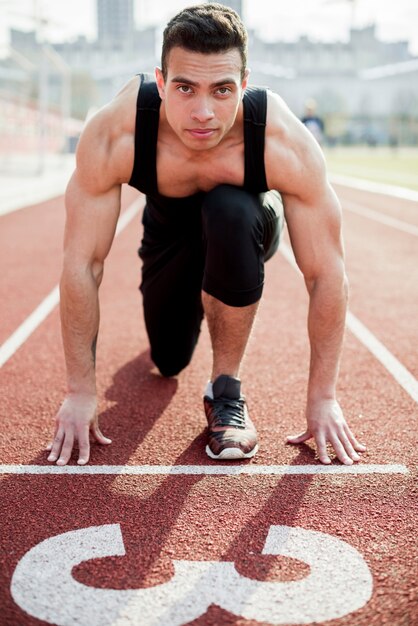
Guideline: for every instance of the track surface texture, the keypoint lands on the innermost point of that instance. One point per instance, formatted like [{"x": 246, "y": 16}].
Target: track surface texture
[{"x": 156, "y": 534}]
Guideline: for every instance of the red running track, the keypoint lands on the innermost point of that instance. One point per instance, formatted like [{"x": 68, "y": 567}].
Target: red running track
[{"x": 367, "y": 522}]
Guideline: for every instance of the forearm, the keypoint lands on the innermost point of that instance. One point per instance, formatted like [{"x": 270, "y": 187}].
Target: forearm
[
  {"x": 326, "y": 323},
  {"x": 79, "y": 325}
]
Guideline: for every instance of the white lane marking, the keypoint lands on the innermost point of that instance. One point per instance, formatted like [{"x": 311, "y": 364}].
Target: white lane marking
[
  {"x": 339, "y": 582},
  {"x": 393, "y": 222},
  {"x": 399, "y": 372},
  {"x": 31, "y": 323},
  {"x": 205, "y": 470},
  {"x": 403, "y": 377},
  {"x": 373, "y": 187},
  {"x": 128, "y": 215}
]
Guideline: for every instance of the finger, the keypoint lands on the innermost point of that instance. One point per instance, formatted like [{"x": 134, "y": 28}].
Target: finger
[
  {"x": 299, "y": 438},
  {"x": 99, "y": 436},
  {"x": 340, "y": 450},
  {"x": 360, "y": 447},
  {"x": 345, "y": 441},
  {"x": 56, "y": 444},
  {"x": 321, "y": 445},
  {"x": 67, "y": 447},
  {"x": 84, "y": 445},
  {"x": 51, "y": 443}
]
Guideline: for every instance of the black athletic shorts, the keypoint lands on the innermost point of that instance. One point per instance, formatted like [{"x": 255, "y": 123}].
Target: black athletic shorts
[{"x": 216, "y": 241}]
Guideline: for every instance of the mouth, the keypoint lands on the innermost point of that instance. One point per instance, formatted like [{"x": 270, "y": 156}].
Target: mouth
[{"x": 202, "y": 133}]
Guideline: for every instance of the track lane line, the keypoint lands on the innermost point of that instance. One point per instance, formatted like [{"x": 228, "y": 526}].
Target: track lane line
[
  {"x": 395, "y": 368},
  {"x": 399, "y": 372},
  {"x": 31, "y": 323},
  {"x": 367, "y": 185},
  {"x": 393, "y": 222},
  {"x": 48, "y": 304},
  {"x": 207, "y": 470}
]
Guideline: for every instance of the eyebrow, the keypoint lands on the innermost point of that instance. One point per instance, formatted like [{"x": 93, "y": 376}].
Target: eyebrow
[{"x": 218, "y": 83}]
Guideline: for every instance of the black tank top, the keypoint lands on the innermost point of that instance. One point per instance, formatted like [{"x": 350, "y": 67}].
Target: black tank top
[{"x": 144, "y": 173}]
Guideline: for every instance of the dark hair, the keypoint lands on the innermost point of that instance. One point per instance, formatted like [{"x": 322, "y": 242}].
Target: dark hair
[{"x": 206, "y": 28}]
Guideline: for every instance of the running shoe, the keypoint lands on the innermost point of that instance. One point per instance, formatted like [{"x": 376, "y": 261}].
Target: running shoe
[{"x": 232, "y": 435}]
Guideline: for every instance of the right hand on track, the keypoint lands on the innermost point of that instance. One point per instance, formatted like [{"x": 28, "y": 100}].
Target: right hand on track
[{"x": 74, "y": 421}]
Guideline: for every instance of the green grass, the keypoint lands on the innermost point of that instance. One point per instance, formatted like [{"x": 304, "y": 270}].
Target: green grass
[{"x": 390, "y": 166}]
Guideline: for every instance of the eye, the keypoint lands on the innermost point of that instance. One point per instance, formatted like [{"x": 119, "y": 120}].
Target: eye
[
  {"x": 223, "y": 91},
  {"x": 184, "y": 89}
]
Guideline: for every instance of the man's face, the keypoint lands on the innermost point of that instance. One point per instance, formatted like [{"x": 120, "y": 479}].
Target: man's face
[{"x": 201, "y": 95}]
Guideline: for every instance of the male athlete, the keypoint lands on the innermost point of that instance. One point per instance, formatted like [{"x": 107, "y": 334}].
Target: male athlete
[{"x": 211, "y": 155}]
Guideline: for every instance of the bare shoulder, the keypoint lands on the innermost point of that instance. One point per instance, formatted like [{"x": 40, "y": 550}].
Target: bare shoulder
[
  {"x": 105, "y": 151},
  {"x": 294, "y": 161}
]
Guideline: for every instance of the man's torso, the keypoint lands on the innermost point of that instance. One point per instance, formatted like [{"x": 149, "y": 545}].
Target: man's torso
[{"x": 176, "y": 174}]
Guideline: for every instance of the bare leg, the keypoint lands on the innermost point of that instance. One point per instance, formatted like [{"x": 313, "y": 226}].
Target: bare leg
[{"x": 229, "y": 329}]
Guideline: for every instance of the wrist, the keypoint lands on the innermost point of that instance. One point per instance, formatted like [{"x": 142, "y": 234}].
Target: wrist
[
  {"x": 322, "y": 385},
  {"x": 321, "y": 394},
  {"x": 82, "y": 388}
]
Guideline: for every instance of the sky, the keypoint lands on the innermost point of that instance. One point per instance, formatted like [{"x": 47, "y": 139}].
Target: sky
[{"x": 320, "y": 20}]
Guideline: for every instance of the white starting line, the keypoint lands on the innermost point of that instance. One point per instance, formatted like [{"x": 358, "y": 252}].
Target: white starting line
[{"x": 205, "y": 470}]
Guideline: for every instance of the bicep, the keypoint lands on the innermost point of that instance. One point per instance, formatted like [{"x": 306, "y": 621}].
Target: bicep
[{"x": 295, "y": 165}]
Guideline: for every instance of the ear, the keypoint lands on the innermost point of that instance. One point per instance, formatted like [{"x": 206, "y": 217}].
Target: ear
[
  {"x": 244, "y": 82},
  {"x": 159, "y": 78}
]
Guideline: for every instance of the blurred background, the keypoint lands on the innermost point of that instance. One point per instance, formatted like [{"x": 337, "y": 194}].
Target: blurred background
[{"x": 350, "y": 66}]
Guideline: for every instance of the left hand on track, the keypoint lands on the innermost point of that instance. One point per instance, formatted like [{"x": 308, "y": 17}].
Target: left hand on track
[{"x": 326, "y": 423}]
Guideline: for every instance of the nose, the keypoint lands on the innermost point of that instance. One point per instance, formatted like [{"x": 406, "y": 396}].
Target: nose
[{"x": 202, "y": 111}]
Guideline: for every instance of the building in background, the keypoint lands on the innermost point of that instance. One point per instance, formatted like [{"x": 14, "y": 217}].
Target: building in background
[
  {"x": 366, "y": 90},
  {"x": 115, "y": 23}
]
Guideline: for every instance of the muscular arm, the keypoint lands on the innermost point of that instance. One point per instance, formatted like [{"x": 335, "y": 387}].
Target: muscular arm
[
  {"x": 315, "y": 233},
  {"x": 93, "y": 206},
  {"x": 313, "y": 216},
  {"x": 90, "y": 228}
]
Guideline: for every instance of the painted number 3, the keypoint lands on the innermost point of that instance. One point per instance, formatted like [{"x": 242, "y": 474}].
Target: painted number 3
[{"x": 339, "y": 582}]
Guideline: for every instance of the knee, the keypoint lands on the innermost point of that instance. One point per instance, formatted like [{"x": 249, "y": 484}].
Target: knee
[
  {"x": 228, "y": 207},
  {"x": 169, "y": 366}
]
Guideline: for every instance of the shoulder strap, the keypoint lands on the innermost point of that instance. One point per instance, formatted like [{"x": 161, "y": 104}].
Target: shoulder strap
[
  {"x": 255, "y": 113},
  {"x": 144, "y": 172}
]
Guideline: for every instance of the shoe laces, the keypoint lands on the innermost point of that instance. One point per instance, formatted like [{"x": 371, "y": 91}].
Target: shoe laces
[{"x": 228, "y": 412}]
